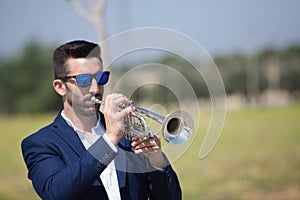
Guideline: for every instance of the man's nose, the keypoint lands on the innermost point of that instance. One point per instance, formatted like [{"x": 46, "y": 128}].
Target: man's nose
[{"x": 94, "y": 88}]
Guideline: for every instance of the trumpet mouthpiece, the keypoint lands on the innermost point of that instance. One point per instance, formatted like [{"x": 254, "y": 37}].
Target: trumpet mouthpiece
[{"x": 94, "y": 100}]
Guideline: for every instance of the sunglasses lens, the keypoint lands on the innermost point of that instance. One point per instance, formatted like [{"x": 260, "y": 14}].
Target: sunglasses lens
[
  {"x": 102, "y": 78},
  {"x": 84, "y": 80}
]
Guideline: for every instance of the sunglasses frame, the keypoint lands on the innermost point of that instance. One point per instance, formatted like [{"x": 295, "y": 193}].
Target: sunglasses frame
[{"x": 89, "y": 78}]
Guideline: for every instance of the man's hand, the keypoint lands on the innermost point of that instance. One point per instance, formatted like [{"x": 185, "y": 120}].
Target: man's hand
[
  {"x": 114, "y": 116},
  {"x": 151, "y": 149}
]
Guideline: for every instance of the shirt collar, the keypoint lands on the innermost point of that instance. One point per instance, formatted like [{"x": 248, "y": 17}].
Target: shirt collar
[{"x": 95, "y": 130}]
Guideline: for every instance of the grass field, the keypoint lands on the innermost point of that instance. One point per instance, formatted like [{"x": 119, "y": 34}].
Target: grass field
[{"x": 256, "y": 157}]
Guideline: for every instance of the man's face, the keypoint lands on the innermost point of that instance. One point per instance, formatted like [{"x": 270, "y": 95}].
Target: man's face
[{"x": 79, "y": 98}]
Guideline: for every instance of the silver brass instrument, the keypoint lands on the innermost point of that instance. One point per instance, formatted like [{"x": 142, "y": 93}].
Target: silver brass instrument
[{"x": 177, "y": 126}]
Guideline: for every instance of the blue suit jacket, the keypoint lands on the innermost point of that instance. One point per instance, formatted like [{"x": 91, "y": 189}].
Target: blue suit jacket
[{"x": 61, "y": 168}]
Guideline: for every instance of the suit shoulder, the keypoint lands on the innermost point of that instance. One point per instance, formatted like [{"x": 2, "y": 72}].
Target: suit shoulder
[
  {"x": 45, "y": 131},
  {"x": 39, "y": 135}
]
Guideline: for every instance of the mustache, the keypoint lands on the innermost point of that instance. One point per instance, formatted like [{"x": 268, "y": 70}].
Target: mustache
[{"x": 98, "y": 96}]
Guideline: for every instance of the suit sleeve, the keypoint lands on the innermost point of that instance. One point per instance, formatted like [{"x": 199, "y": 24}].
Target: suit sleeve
[
  {"x": 52, "y": 178},
  {"x": 164, "y": 183}
]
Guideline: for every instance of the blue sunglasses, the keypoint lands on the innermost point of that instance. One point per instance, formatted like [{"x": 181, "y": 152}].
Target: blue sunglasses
[{"x": 85, "y": 80}]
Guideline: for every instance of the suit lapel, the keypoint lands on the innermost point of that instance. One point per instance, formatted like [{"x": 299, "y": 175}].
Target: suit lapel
[
  {"x": 63, "y": 130},
  {"x": 121, "y": 161}
]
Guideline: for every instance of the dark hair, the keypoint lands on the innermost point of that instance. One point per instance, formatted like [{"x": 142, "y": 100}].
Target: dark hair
[{"x": 73, "y": 49}]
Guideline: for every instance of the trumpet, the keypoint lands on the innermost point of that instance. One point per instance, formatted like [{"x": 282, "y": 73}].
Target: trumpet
[{"x": 177, "y": 126}]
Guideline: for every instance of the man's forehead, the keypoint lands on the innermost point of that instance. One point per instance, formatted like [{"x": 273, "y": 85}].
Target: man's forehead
[
  {"x": 83, "y": 61},
  {"x": 82, "y": 64}
]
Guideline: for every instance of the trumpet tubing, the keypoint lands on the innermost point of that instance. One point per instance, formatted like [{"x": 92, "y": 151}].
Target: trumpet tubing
[{"x": 177, "y": 126}]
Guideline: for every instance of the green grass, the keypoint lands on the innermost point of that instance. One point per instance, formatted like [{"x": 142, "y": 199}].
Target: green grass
[
  {"x": 14, "y": 183},
  {"x": 256, "y": 157}
]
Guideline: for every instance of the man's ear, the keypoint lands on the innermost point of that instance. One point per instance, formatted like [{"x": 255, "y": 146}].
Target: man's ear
[{"x": 59, "y": 87}]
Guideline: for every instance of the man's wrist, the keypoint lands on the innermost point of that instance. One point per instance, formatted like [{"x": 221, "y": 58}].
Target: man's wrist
[
  {"x": 157, "y": 161},
  {"x": 110, "y": 143},
  {"x": 113, "y": 138}
]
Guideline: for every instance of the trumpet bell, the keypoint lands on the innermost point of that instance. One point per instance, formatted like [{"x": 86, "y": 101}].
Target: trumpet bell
[{"x": 178, "y": 127}]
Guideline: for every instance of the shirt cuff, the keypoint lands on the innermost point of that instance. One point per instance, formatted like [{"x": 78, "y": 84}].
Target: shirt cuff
[{"x": 111, "y": 145}]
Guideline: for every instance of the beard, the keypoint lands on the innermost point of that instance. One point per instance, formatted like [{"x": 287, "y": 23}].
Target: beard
[{"x": 82, "y": 105}]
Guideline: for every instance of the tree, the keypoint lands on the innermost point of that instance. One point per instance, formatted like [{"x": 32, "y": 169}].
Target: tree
[
  {"x": 25, "y": 81},
  {"x": 93, "y": 11}
]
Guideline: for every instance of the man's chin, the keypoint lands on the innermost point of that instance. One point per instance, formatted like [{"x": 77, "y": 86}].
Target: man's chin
[
  {"x": 89, "y": 111},
  {"x": 92, "y": 110}
]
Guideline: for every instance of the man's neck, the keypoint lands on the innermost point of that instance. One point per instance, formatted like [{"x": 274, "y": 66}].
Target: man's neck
[{"x": 85, "y": 123}]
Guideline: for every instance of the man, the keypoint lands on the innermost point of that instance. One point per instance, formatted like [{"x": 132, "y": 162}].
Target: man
[{"x": 83, "y": 154}]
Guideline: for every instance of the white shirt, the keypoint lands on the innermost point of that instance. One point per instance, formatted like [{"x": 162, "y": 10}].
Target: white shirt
[{"x": 109, "y": 175}]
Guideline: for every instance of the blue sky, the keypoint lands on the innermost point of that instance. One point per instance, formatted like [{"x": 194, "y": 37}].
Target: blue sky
[{"x": 221, "y": 27}]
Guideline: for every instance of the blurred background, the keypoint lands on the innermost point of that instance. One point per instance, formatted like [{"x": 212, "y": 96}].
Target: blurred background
[{"x": 255, "y": 45}]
